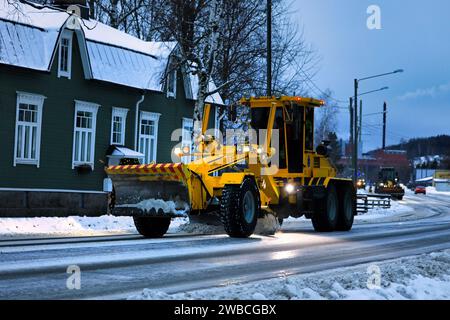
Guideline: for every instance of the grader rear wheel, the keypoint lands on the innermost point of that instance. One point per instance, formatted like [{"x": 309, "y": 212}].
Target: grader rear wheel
[
  {"x": 347, "y": 208},
  {"x": 325, "y": 217}
]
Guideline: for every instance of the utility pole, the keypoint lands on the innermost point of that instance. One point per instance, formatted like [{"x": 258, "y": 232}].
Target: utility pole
[
  {"x": 384, "y": 124},
  {"x": 360, "y": 123},
  {"x": 269, "y": 48},
  {"x": 351, "y": 124},
  {"x": 355, "y": 135},
  {"x": 352, "y": 130}
]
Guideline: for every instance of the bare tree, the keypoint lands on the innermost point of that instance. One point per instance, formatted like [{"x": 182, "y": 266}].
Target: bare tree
[{"x": 327, "y": 118}]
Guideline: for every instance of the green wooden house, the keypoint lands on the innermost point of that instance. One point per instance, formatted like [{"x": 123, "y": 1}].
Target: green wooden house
[{"x": 70, "y": 89}]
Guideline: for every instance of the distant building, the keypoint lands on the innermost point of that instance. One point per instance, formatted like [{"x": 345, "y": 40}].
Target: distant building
[
  {"x": 442, "y": 180},
  {"x": 428, "y": 161},
  {"x": 370, "y": 164},
  {"x": 71, "y": 88}
]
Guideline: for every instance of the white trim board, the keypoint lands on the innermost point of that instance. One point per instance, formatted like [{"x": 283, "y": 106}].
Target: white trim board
[{"x": 51, "y": 190}]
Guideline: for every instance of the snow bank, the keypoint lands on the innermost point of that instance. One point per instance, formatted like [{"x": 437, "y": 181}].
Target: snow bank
[
  {"x": 267, "y": 226},
  {"x": 69, "y": 225},
  {"x": 414, "y": 278},
  {"x": 83, "y": 226},
  {"x": 198, "y": 228},
  {"x": 397, "y": 209},
  {"x": 432, "y": 190}
]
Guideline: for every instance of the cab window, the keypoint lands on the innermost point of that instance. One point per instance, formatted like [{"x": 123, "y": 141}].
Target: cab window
[{"x": 309, "y": 129}]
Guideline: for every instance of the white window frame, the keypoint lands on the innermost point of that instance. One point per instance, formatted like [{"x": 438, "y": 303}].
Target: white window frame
[
  {"x": 82, "y": 106},
  {"x": 184, "y": 142},
  {"x": 171, "y": 94},
  {"x": 151, "y": 116},
  {"x": 66, "y": 35},
  {"x": 31, "y": 99},
  {"x": 121, "y": 113}
]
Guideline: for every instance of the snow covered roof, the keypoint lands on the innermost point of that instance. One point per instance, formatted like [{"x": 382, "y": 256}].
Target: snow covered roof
[
  {"x": 23, "y": 32},
  {"x": 122, "y": 152},
  {"x": 215, "y": 98},
  {"x": 29, "y": 37}
]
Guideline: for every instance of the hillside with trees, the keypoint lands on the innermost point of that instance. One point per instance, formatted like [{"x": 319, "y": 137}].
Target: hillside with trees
[{"x": 419, "y": 147}]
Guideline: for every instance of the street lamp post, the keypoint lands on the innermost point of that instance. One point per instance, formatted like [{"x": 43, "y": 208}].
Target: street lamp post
[
  {"x": 353, "y": 129},
  {"x": 355, "y": 119}
]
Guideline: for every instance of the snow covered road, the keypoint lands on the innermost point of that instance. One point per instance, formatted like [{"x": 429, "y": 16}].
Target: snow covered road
[{"x": 180, "y": 263}]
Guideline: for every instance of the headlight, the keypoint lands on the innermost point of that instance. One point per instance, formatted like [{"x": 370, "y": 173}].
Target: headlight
[
  {"x": 246, "y": 149},
  {"x": 290, "y": 188},
  {"x": 186, "y": 150},
  {"x": 178, "y": 152}
]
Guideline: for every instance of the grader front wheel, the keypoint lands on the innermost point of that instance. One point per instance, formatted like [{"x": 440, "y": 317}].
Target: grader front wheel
[
  {"x": 239, "y": 208},
  {"x": 151, "y": 227}
]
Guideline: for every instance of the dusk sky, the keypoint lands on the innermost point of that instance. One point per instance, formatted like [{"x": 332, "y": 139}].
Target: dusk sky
[{"x": 415, "y": 36}]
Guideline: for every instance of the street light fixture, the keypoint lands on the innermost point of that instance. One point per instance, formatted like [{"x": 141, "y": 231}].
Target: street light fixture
[{"x": 355, "y": 118}]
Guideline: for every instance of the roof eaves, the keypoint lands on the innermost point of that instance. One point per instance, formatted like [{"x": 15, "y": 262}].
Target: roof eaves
[{"x": 123, "y": 48}]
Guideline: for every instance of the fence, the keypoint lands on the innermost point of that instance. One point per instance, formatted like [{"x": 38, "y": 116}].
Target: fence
[{"x": 366, "y": 202}]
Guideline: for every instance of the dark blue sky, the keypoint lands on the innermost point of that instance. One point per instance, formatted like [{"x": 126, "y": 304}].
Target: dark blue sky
[{"x": 415, "y": 36}]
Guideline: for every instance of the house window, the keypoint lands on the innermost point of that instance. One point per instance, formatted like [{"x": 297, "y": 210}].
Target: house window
[
  {"x": 172, "y": 83},
  {"x": 148, "y": 136},
  {"x": 84, "y": 134},
  {"x": 118, "y": 126},
  {"x": 65, "y": 55},
  {"x": 27, "y": 143},
  {"x": 188, "y": 128}
]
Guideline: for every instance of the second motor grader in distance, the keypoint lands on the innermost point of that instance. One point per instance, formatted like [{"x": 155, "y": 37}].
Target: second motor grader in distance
[{"x": 243, "y": 187}]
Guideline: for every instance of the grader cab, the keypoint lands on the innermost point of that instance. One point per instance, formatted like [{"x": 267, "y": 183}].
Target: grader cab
[{"x": 274, "y": 171}]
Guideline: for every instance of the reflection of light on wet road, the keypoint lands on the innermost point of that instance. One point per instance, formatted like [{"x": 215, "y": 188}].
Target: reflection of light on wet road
[
  {"x": 227, "y": 283},
  {"x": 284, "y": 255}
]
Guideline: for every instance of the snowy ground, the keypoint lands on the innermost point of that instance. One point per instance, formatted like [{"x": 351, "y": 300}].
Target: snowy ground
[
  {"x": 398, "y": 208},
  {"x": 78, "y": 226},
  {"x": 433, "y": 191},
  {"x": 414, "y": 278},
  {"x": 109, "y": 225}
]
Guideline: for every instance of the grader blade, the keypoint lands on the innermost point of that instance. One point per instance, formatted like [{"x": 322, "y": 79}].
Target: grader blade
[{"x": 158, "y": 190}]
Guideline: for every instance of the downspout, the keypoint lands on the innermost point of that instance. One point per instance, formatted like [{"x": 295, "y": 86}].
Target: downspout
[
  {"x": 136, "y": 123},
  {"x": 219, "y": 121}
]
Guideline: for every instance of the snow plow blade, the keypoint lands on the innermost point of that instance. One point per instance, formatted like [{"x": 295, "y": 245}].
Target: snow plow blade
[{"x": 158, "y": 190}]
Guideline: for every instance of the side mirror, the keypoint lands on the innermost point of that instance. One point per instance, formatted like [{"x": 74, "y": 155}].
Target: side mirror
[{"x": 323, "y": 150}]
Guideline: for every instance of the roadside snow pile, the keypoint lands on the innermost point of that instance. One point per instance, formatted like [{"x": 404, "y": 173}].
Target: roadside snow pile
[
  {"x": 267, "y": 226},
  {"x": 200, "y": 228},
  {"x": 432, "y": 190},
  {"x": 425, "y": 277},
  {"x": 397, "y": 209},
  {"x": 69, "y": 225}
]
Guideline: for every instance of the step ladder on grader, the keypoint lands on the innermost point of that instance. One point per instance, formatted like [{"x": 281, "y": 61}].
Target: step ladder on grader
[{"x": 279, "y": 174}]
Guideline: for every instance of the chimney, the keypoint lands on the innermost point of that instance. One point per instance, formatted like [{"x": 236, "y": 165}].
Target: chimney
[{"x": 81, "y": 4}]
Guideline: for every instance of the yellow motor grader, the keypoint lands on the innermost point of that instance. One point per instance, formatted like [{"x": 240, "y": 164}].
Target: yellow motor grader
[{"x": 276, "y": 172}]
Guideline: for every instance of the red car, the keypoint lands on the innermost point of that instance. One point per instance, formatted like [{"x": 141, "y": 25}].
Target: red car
[{"x": 420, "y": 190}]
